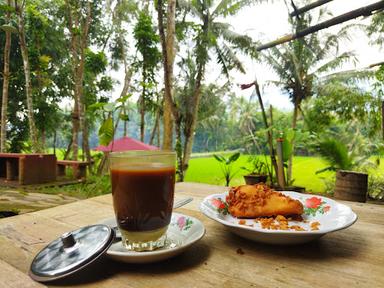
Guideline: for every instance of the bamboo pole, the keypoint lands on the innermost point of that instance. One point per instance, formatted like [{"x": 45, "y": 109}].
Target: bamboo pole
[
  {"x": 363, "y": 11},
  {"x": 265, "y": 120},
  {"x": 376, "y": 64},
  {"x": 298, "y": 11}
]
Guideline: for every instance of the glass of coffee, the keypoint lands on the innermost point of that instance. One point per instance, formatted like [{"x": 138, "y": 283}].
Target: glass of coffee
[{"x": 143, "y": 184}]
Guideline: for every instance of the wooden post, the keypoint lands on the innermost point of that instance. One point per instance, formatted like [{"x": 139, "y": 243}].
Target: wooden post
[
  {"x": 280, "y": 163},
  {"x": 382, "y": 119}
]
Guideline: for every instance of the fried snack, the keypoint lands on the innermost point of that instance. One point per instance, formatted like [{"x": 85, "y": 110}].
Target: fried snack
[{"x": 251, "y": 201}]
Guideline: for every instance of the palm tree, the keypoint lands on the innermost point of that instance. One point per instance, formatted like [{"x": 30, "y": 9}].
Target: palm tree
[
  {"x": 299, "y": 63},
  {"x": 211, "y": 35}
]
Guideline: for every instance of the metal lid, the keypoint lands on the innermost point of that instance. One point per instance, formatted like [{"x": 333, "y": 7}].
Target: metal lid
[{"x": 71, "y": 252}]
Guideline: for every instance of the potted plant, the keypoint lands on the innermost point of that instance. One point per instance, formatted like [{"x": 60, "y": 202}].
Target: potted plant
[
  {"x": 257, "y": 173},
  {"x": 350, "y": 185}
]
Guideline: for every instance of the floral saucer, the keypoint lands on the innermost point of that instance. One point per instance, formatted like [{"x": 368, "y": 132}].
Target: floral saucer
[
  {"x": 183, "y": 231},
  {"x": 321, "y": 216}
]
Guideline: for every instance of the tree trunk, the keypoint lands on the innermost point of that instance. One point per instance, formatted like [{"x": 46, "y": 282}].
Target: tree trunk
[
  {"x": 68, "y": 150},
  {"x": 167, "y": 126},
  {"x": 75, "y": 132},
  {"x": 294, "y": 124},
  {"x": 127, "y": 70},
  {"x": 156, "y": 124},
  {"x": 79, "y": 43},
  {"x": 6, "y": 75},
  {"x": 382, "y": 120},
  {"x": 28, "y": 83},
  {"x": 142, "y": 117},
  {"x": 168, "y": 47},
  {"x": 191, "y": 118},
  {"x": 190, "y": 124},
  {"x": 125, "y": 124},
  {"x": 179, "y": 152},
  {"x": 54, "y": 141}
]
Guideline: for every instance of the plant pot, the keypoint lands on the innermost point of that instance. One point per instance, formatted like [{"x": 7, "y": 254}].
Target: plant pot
[
  {"x": 254, "y": 179},
  {"x": 351, "y": 186}
]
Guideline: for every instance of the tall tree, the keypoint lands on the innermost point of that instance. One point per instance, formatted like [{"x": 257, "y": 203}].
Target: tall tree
[
  {"x": 20, "y": 12},
  {"x": 211, "y": 35},
  {"x": 300, "y": 62},
  {"x": 8, "y": 29},
  {"x": 79, "y": 18},
  {"x": 146, "y": 44},
  {"x": 167, "y": 37}
]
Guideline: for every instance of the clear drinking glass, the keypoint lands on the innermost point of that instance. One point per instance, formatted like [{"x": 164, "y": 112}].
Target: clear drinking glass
[{"x": 143, "y": 184}]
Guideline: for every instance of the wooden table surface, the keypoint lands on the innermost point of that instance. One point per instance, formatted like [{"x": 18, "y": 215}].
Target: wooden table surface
[{"x": 353, "y": 257}]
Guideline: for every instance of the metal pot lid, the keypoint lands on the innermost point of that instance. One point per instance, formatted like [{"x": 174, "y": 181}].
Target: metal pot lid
[{"x": 71, "y": 252}]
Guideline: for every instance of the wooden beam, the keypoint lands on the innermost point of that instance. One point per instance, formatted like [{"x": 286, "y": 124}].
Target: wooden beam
[
  {"x": 363, "y": 11},
  {"x": 376, "y": 64},
  {"x": 298, "y": 11}
]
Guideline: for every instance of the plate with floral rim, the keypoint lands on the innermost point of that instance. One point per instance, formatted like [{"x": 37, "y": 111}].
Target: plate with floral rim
[
  {"x": 320, "y": 212},
  {"x": 183, "y": 231}
]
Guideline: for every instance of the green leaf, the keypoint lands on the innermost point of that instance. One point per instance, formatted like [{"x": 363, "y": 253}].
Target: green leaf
[
  {"x": 9, "y": 28},
  {"x": 124, "y": 99},
  {"x": 109, "y": 107},
  {"x": 106, "y": 132},
  {"x": 234, "y": 157},
  {"x": 219, "y": 158},
  {"x": 96, "y": 106},
  {"x": 124, "y": 117}
]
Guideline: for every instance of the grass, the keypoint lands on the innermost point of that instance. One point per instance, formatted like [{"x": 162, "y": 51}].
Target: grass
[{"x": 207, "y": 170}]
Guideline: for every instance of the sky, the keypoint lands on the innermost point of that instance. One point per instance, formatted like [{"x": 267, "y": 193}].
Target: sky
[{"x": 269, "y": 21}]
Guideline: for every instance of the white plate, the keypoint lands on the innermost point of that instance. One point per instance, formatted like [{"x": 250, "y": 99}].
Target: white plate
[
  {"x": 331, "y": 215},
  {"x": 183, "y": 231}
]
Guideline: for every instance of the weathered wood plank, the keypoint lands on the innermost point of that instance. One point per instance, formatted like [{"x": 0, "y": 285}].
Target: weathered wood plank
[{"x": 10, "y": 277}]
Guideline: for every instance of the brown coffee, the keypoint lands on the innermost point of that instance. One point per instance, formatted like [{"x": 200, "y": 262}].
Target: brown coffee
[{"x": 143, "y": 197}]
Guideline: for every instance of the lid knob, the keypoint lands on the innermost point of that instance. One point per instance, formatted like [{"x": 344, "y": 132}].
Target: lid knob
[{"x": 68, "y": 240}]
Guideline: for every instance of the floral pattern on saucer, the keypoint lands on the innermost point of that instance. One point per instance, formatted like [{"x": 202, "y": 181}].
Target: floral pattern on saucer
[{"x": 182, "y": 222}]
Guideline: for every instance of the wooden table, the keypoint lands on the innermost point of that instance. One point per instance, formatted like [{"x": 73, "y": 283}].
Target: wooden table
[
  {"x": 26, "y": 169},
  {"x": 353, "y": 257},
  {"x": 79, "y": 168}
]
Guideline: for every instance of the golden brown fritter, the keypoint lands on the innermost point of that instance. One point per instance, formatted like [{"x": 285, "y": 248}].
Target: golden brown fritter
[{"x": 250, "y": 201}]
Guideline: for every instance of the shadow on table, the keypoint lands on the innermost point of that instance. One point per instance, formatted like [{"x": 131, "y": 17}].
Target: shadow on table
[
  {"x": 106, "y": 268},
  {"x": 340, "y": 244}
]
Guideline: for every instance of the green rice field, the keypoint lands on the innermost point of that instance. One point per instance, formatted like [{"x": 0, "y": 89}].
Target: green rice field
[{"x": 207, "y": 170}]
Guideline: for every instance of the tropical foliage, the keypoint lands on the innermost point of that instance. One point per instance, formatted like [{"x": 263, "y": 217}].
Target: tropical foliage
[{"x": 76, "y": 74}]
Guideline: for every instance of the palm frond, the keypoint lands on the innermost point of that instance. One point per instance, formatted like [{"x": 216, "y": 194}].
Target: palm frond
[
  {"x": 229, "y": 7},
  {"x": 190, "y": 7},
  {"x": 241, "y": 42},
  {"x": 335, "y": 153},
  {"x": 349, "y": 76},
  {"x": 336, "y": 62},
  {"x": 222, "y": 62},
  {"x": 279, "y": 62},
  {"x": 228, "y": 59}
]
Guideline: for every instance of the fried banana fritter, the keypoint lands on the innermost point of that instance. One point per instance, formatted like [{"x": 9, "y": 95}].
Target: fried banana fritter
[{"x": 250, "y": 201}]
